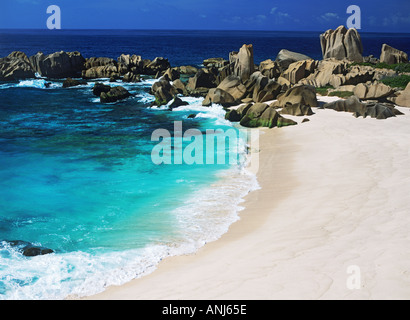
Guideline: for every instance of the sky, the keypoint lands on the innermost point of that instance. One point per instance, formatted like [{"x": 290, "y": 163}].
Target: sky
[{"x": 309, "y": 15}]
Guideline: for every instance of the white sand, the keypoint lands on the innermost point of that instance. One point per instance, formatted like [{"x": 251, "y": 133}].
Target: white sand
[{"x": 335, "y": 193}]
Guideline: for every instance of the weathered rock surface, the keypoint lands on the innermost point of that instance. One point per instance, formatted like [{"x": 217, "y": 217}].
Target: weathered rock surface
[
  {"x": 299, "y": 70},
  {"x": 16, "y": 66},
  {"x": 131, "y": 77},
  {"x": 336, "y": 73},
  {"x": 391, "y": 55},
  {"x": 172, "y": 74},
  {"x": 69, "y": 82},
  {"x": 243, "y": 62},
  {"x": 200, "y": 84},
  {"x": 58, "y": 65},
  {"x": 359, "y": 109},
  {"x": 296, "y": 109},
  {"x": 99, "y": 88},
  {"x": 298, "y": 96},
  {"x": 177, "y": 102},
  {"x": 286, "y": 57},
  {"x": 215, "y": 63},
  {"x": 106, "y": 71},
  {"x": 163, "y": 91},
  {"x": 115, "y": 94},
  {"x": 342, "y": 44},
  {"x": 270, "y": 69},
  {"x": 403, "y": 99},
  {"x": 262, "y": 115},
  {"x": 159, "y": 64},
  {"x": 374, "y": 91}
]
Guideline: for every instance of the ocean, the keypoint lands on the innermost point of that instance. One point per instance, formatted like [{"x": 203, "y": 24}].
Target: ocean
[{"x": 77, "y": 176}]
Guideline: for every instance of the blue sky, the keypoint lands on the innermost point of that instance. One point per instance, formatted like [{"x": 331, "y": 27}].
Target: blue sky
[{"x": 308, "y": 15}]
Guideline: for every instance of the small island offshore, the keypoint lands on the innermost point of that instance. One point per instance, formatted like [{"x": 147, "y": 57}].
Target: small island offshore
[{"x": 330, "y": 216}]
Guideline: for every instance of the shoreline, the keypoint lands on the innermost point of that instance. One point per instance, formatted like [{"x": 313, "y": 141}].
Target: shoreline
[{"x": 316, "y": 214}]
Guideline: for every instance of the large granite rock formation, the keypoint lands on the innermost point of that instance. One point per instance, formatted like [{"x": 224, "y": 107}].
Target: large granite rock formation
[
  {"x": 270, "y": 69},
  {"x": 300, "y": 95},
  {"x": 403, "y": 99},
  {"x": 243, "y": 62},
  {"x": 163, "y": 91},
  {"x": 114, "y": 94},
  {"x": 342, "y": 44},
  {"x": 58, "y": 65},
  {"x": 200, "y": 84},
  {"x": 16, "y": 66},
  {"x": 229, "y": 92},
  {"x": 359, "y": 109},
  {"x": 374, "y": 91},
  {"x": 286, "y": 57},
  {"x": 391, "y": 55},
  {"x": 262, "y": 115},
  {"x": 299, "y": 70}
]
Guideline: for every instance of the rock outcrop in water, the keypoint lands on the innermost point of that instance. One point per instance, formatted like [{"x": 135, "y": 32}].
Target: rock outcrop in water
[
  {"x": 15, "y": 66},
  {"x": 58, "y": 65},
  {"x": 26, "y": 248},
  {"x": 114, "y": 94},
  {"x": 290, "y": 81}
]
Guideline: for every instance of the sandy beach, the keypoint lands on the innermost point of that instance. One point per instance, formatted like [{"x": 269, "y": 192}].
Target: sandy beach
[{"x": 334, "y": 194}]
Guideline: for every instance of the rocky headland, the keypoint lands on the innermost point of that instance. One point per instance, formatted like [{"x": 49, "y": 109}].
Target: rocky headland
[{"x": 254, "y": 95}]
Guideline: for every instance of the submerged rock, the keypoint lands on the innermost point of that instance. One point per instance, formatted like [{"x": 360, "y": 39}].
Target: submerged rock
[
  {"x": 99, "y": 88},
  {"x": 27, "y": 249},
  {"x": 72, "y": 83},
  {"x": 115, "y": 94},
  {"x": 177, "y": 102}
]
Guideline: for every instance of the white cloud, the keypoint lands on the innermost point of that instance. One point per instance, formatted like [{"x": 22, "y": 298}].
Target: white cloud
[
  {"x": 279, "y": 17},
  {"x": 330, "y": 16},
  {"x": 396, "y": 19}
]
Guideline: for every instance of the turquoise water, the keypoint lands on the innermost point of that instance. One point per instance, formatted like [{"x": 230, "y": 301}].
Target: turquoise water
[{"x": 76, "y": 176}]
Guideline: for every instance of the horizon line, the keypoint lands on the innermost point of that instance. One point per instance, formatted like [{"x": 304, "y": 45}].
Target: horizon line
[{"x": 160, "y": 29}]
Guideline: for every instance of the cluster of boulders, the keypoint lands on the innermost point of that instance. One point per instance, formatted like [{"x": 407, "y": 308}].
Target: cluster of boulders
[
  {"x": 290, "y": 81},
  {"x": 236, "y": 80},
  {"x": 62, "y": 64}
]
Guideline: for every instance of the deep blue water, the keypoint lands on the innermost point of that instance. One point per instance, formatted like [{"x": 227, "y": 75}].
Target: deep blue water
[
  {"x": 181, "y": 47},
  {"x": 77, "y": 176}
]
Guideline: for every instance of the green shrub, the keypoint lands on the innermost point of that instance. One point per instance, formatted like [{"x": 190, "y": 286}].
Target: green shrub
[
  {"x": 323, "y": 90},
  {"x": 402, "y": 67},
  {"x": 399, "y": 81},
  {"x": 341, "y": 94},
  {"x": 399, "y": 67}
]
